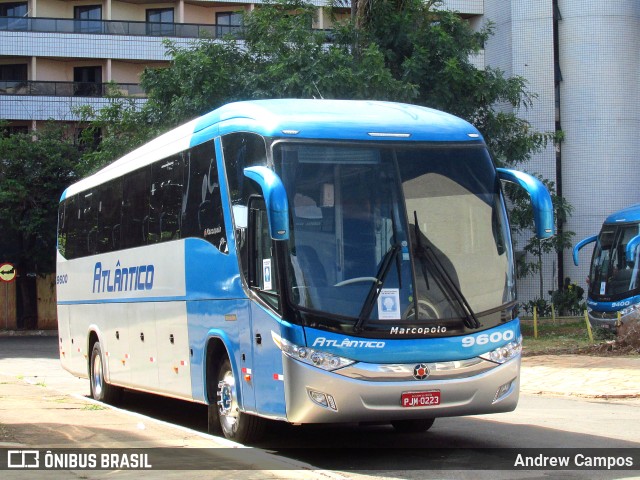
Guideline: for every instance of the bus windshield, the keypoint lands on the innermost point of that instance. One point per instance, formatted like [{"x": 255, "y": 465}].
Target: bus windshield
[
  {"x": 407, "y": 235},
  {"x": 612, "y": 275}
]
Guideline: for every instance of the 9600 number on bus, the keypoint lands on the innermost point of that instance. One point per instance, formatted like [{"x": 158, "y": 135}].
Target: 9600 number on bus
[{"x": 486, "y": 338}]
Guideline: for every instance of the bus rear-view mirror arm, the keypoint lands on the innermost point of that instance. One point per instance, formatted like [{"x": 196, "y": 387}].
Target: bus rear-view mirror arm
[
  {"x": 540, "y": 199},
  {"x": 631, "y": 248},
  {"x": 581, "y": 244},
  {"x": 275, "y": 199}
]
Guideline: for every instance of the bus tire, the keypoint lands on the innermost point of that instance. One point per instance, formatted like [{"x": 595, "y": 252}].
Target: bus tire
[
  {"x": 235, "y": 425},
  {"x": 413, "y": 426},
  {"x": 100, "y": 389}
]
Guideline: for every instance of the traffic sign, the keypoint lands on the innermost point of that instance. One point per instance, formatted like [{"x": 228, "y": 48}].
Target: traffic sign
[{"x": 7, "y": 272}]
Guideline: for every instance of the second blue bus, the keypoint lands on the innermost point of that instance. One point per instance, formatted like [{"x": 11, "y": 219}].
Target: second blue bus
[{"x": 613, "y": 292}]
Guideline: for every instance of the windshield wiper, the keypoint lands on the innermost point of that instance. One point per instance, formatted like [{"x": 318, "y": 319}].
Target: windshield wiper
[
  {"x": 376, "y": 288},
  {"x": 426, "y": 254}
]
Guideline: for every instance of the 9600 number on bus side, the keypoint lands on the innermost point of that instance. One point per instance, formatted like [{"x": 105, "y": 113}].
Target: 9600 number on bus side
[{"x": 487, "y": 338}]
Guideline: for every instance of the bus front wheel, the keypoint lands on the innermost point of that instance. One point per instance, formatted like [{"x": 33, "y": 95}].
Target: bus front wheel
[
  {"x": 100, "y": 389},
  {"x": 413, "y": 426},
  {"x": 225, "y": 415}
]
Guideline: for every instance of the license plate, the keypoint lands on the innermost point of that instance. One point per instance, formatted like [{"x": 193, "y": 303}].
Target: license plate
[{"x": 420, "y": 399}]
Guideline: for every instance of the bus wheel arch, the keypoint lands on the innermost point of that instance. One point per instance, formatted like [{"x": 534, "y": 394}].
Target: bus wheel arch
[{"x": 225, "y": 417}]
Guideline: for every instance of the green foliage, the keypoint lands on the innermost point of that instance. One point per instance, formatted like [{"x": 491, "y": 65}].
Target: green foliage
[
  {"x": 281, "y": 57},
  {"x": 121, "y": 127},
  {"x": 603, "y": 334},
  {"x": 543, "y": 307},
  {"x": 431, "y": 48},
  {"x": 34, "y": 171},
  {"x": 569, "y": 299},
  {"x": 521, "y": 219}
]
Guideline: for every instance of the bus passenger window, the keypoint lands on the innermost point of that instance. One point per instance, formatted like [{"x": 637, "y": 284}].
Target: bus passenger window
[{"x": 202, "y": 214}]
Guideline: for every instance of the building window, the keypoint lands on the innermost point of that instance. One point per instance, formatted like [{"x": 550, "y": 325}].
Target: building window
[
  {"x": 9, "y": 130},
  {"x": 160, "y": 22},
  {"x": 228, "y": 23},
  {"x": 87, "y": 81},
  {"x": 13, "y": 79},
  {"x": 13, "y": 72},
  {"x": 13, "y": 16},
  {"x": 18, "y": 9},
  {"x": 88, "y": 19}
]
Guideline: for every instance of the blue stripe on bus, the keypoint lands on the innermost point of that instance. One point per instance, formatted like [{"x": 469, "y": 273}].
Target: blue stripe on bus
[
  {"x": 613, "y": 306},
  {"x": 124, "y": 300},
  {"x": 404, "y": 350}
]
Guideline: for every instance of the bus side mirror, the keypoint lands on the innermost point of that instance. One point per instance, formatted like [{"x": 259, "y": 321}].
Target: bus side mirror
[
  {"x": 540, "y": 199},
  {"x": 630, "y": 252},
  {"x": 275, "y": 198},
  {"x": 581, "y": 244}
]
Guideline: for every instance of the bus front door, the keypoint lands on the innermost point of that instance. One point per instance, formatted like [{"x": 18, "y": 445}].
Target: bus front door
[{"x": 267, "y": 368}]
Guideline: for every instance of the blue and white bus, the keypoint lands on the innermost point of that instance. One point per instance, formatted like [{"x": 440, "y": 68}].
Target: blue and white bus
[
  {"x": 309, "y": 261},
  {"x": 613, "y": 285}
]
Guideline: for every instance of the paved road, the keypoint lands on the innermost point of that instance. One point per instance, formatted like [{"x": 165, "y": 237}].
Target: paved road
[{"x": 376, "y": 451}]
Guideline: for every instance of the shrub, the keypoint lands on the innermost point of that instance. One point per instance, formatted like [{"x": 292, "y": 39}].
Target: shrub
[
  {"x": 543, "y": 307},
  {"x": 568, "y": 300}
]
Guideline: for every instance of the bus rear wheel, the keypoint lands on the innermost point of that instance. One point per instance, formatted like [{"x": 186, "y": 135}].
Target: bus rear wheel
[
  {"x": 413, "y": 426},
  {"x": 225, "y": 416},
  {"x": 100, "y": 389}
]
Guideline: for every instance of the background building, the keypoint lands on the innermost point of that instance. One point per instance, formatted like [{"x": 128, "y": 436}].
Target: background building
[
  {"x": 582, "y": 59},
  {"x": 56, "y": 55}
]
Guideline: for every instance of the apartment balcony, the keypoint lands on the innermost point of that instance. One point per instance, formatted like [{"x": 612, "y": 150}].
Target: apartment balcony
[
  {"x": 116, "y": 27},
  {"x": 70, "y": 89},
  {"x": 33, "y": 100}
]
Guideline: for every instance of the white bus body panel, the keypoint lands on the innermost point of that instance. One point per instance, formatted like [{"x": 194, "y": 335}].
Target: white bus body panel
[{"x": 139, "y": 317}]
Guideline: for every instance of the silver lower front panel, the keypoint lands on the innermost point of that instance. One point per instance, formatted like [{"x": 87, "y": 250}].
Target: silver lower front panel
[{"x": 359, "y": 400}]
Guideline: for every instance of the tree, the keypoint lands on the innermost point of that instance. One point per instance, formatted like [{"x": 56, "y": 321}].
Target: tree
[
  {"x": 521, "y": 219},
  {"x": 280, "y": 57},
  {"x": 35, "y": 168},
  {"x": 432, "y": 48},
  {"x": 121, "y": 127}
]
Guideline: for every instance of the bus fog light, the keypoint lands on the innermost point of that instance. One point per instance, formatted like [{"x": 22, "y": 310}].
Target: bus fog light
[
  {"x": 322, "y": 399},
  {"x": 502, "y": 391}
]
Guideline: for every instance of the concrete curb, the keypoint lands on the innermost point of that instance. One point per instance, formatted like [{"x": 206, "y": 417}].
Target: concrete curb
[{"x": 28, "y": 333}]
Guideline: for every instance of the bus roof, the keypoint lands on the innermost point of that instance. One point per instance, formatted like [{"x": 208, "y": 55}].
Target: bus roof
[
  {"x": 629, "y": 214},
  {"x": 355, "y": 120}
]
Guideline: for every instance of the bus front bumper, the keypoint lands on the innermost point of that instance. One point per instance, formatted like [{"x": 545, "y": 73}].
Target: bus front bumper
[
  {"x": 609, "y": 320},
  {"x": 346, "y": 399}
]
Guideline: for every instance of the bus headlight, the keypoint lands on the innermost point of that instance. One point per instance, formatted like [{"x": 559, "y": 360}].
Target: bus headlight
[
  {"x": 310, "y": 356},
  {"x": 631, "y": 309},
  {"x": 504, "y": 353}
]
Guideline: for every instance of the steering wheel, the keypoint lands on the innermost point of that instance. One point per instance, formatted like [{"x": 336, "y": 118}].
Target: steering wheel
[
  {"x": 350, "y": 281},
  {"x": 424, "y": 309}
]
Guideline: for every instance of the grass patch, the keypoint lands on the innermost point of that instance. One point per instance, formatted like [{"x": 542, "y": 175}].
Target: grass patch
[
  {"x": 92, "y": 406},
  {"x": 554, "y": 338}
]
